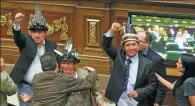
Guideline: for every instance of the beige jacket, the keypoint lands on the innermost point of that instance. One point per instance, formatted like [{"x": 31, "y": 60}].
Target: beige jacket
[
  {"x": 87, "y": 97},
  {"x": 8, "y": 87}
]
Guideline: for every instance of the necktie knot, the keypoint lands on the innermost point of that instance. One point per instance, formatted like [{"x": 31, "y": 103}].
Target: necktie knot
[{"x": 128, "y": 61}]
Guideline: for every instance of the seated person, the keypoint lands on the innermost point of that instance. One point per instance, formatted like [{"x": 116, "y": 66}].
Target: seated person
[{"x": 51, "y": 88}]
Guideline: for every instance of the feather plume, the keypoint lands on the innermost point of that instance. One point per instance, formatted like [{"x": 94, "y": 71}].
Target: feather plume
[
  {"x": 58, "y": 52},
  {"x": 68, "y": 45}
]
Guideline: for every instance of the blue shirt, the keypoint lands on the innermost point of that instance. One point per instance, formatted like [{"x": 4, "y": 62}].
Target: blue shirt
[
  {"x": 132, "y": 72},
  {"x": 146, "y": 52}
]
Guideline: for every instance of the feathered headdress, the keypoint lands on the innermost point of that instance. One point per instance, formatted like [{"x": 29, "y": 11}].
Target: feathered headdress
[
  {"x": 129, "y": 32},
  {"x": 38, "y": 22},
  {"x": 68, "y": 54}
]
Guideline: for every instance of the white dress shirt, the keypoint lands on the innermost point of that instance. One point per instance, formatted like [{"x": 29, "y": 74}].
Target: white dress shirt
[{"x": 35, "y": 66}]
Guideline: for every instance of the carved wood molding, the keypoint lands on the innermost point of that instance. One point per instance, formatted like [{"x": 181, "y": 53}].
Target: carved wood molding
[
  {"x": 93, "y": 32},
  {"x": 57, "y": 25},
  {"x": 60, "y": 24},
  {"x": 6, "y": 21}
]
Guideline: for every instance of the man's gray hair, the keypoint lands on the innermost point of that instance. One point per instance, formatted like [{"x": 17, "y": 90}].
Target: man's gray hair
[{"x": 48, "y": 61}]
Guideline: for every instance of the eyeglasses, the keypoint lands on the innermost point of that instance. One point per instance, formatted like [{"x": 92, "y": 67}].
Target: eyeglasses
[{"x": 141, "y": 41}]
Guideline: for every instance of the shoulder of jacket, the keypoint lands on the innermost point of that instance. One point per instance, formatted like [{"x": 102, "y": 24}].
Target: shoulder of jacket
[
  {"x": 145, "y": 60},
  {"x": 4, "y": 76},
  {"x": 82, "y": 72},
  {"x": 156, "y": 55}
]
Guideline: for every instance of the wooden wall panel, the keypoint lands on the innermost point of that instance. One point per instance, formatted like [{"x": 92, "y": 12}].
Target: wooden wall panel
[
  {"x": 86, "y": 21},
  {"x": 57, "y": 18},
  {"x": 6, "y": 21},
  {"x": 79, "y": 18}
]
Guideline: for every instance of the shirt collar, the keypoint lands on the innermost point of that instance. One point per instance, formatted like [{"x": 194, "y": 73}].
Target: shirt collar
[
  {"x": 146, "y": 52},
  {"x": 133, "y": 58},
  {"x": 76, "y": 75},
  {"x": 43, "y": 45},
  {"x": 44, "y": 42}
]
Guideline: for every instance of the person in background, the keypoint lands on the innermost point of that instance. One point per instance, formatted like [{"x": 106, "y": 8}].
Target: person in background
[
  {"x": 155, "y": 34},
  {"x": 183, "y": 88},
  {"x": 180, "y": 39},
  {"x": 133, "y": 74},
  {"x": 68, "y": 63},
  {"x": 8, "y": 87},
  {"x": 31, "y": 47},
  {"x": 157, "y": 97},
  {"x": 172, "y": 33},
  {"x": 53, "y": 89}
]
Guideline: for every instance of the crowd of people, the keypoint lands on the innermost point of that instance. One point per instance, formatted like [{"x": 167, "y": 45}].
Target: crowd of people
[
  {"x": 45, "y": 75},
  {"x": 163, "y": 37}
]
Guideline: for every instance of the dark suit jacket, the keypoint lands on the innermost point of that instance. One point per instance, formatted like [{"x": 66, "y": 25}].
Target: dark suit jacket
[
  {"x": 159, "y": 93},
  {"x": 28, "y": 50},
  {"x": 145, "y": 82}
]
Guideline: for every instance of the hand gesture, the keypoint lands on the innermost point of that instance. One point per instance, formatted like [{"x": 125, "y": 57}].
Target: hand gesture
[
  {"x": 133, "y": 94},
  {"x": 24, "y": 97},
  {"x": 100, "y": 103},
  {"x": 89, "y": 68},
  {"x": 18, "y": 17},
  {"x": 157, "y": 75},
  {"x": 155, "y": 104},
  {"x": 115, "y": 27}
]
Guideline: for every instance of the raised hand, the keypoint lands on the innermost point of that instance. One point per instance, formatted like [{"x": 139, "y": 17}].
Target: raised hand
[
  {"x": 89, "y": 68},
  {"x": 18, "y": 18},
  {"x": 115, "y": 27},
  {"x": 133, "y": 94},
  {"x": 155, "y": 104}
]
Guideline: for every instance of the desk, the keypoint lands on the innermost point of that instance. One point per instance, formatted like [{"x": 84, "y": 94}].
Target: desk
[{"x": 172, "y": 72}]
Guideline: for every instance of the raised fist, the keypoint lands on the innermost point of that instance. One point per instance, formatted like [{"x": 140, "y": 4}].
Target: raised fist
[
  {"x": 115, "y": 27},
  {"x": 18, "y": 17}
]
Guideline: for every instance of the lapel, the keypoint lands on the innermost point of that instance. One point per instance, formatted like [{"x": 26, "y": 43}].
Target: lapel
[
  {"x": 122, "y": 58},
  {"x": 149, "y": 54},
  {"x": 48, "y": 46},
  {"x": 33, "y": 46},
  {"x": 140, "y": 70}
]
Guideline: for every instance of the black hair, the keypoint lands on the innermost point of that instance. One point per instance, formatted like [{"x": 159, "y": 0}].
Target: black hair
[
  {"x": 188, "y": 63},
  {"x": 148, "y": 37},
  {"x": 48, "y": 61}
]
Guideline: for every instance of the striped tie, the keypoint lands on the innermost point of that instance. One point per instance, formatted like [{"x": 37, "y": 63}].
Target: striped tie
[{"x": 124, "y": 88}]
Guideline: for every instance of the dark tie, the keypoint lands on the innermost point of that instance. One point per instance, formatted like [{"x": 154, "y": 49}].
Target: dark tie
[{"x": 124, "y": 88}]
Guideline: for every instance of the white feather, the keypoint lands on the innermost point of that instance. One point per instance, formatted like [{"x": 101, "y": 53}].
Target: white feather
[
  {"x": 68, "y": 45},
  {"x": 58, "y": 52}
]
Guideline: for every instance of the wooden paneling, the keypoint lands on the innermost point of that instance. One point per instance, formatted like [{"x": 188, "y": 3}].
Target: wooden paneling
[{"x": 86, "y": 21}]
